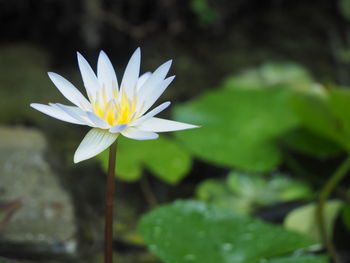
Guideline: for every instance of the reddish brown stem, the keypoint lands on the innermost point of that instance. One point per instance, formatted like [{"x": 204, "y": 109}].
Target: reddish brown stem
[{"x": 110, "y": 189}]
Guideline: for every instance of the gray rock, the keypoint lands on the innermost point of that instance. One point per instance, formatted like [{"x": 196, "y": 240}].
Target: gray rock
[{"x": 44, "y": 225}]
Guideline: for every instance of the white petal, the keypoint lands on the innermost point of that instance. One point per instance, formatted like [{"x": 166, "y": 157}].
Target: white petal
[
  {"x": 158, "y": 75},
  {"x": 118, "y": 128},
  {"x": 162, "y": 125},
  {"x": 155, "y": 94},
  {"x": 74, "y": 112},
  {"x": 69, "y": 91},
  {"x": 88, "y": 75},
  {"x": 152, "y": 113},
  {"x": 55, "y": 113},
  {"x": 134, "y": 133},
  {"x": 97, "y": 121},
  {"x": 142, "y": 79},
  {"x": 131, "y": 74},
  {"x": 106, "y": 74},
  {"x": 95, "y": 141},
  {"x": 153, "y": 81}
]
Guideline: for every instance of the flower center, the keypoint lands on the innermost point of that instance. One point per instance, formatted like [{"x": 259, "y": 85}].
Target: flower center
[{"x": 119, "y": 110}]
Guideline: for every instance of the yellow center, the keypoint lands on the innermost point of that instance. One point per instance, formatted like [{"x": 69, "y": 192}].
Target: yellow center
[{"x": 119, "y": 110}]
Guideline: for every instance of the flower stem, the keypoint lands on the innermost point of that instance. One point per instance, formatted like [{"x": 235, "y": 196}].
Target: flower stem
[
  {"x": 110, "y": 188},
  {"x": 333, "y": 181}
]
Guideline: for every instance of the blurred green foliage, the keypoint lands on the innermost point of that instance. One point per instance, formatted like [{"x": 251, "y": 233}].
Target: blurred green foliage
[
  {"x": 344, "y": 8},
  {"x": 239, "y": 126},
  {"x": 243, "y": 120},
  {"x": 306, "y": 142},
  {"x": 23, "y": 78},
  {"x": 247, "y": 192},
  {"x": 303, "y": 219},
  {"x": 165, "y": 158},
  {"x": 325, "y": 113},
  {"x": 193, "y": 231},
  {"x": 204, "y": 13}
]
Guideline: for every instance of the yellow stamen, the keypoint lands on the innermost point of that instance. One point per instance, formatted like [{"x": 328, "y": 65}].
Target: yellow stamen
[{"x": 119, "y": 110}]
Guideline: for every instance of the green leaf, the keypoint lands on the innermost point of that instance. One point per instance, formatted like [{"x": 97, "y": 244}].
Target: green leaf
[
  {"x": 300, "y": 259},
  {"x": 304, "y": 141},
  {"x": 266, "y": 191},
  {"x": 193, "y": 231},
  {"x": 345, "y": 214},
  {"x": 326, "y": 115},
  {"x": 211, "y": 189},
  {"x": 303, "y": 219},
  {"x": 315, "y": 113},
  {"x": 163, "y": 157},
  {"x": 239, "y": 127},
  {"x": 246, "y": 192}
]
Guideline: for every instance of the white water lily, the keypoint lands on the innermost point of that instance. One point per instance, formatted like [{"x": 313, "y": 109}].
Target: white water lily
[{"x": 112, "y": 110}]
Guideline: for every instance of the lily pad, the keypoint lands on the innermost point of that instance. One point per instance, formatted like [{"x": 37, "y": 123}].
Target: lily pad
[
  {"x": 304, "y": 141},
  {"x": 239, "y": 126},
  {"x": 326, "y": 115},
  {"x": 300, "y": 259},
  {"x": 163, "y": 157},
  {"x": 247, "y": 192},
  {"x": 194, "y": 231}
]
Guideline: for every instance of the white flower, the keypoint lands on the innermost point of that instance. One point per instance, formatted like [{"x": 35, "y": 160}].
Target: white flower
[{"x": 111, "y": 109}]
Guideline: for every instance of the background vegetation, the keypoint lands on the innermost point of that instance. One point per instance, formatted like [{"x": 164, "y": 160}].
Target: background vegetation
[{"x": 263, "y": 180}]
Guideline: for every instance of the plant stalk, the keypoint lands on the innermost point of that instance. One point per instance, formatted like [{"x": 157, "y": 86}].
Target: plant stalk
[
  {"x": 110, "y": 189},
  {"x": 331, "y": 184}
]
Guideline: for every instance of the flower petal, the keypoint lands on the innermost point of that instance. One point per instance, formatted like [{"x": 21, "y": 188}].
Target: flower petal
[
  {"x": 106, "y": 75},
  {"x": 131, "y": 74},
  {"x": 152, "y": 82},
  {"x": 118, "y": 128},
  {"x": 88, "y": 75},
  {"x": 152, "y": 113},
  {"x": 95, "y": 141},
  {"x": 74, "y": 112},
  {"x": 155, "y": 94},
  {"x": 97, "y": 121},
  {"x": 142, "y": 79},
  {"x": 56, "y": 113},
  {"x": 69, "y": 91},
  {"x": 163, "y": 125},
  {"x": 134, "y": 133}
]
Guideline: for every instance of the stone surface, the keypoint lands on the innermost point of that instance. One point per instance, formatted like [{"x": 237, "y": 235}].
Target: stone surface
[{"x": 44, "y": 225}]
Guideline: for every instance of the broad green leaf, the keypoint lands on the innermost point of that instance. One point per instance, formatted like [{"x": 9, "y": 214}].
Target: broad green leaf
[
  {"x": 300, "y": 259},
  {"x": 345, "y": 214},
  {"x": 326, "y": 115},
  {"x": 239, "y": 127},
  {"x": 245, "y": 193},
  {"x": 303, "y": 219},
  {"x": 339, "y": 100},
  {"x": 268, "y": 190},
  {"x": 316, "y": 114},
  {"x": 193, "y": 231},
  {"x": 163, "y": 157},
  {"x": 304, "y": 141}
]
